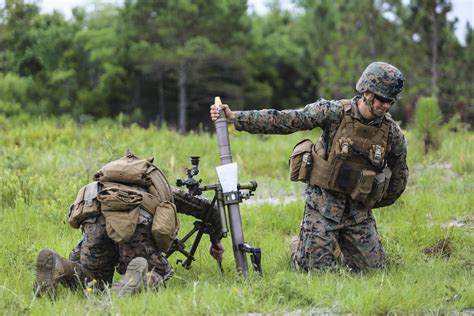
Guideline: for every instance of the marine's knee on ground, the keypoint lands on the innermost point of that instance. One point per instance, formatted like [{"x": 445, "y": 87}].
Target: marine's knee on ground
[
  {"x": 322, "y": 243},
  {"x": 142, "y": 245}
]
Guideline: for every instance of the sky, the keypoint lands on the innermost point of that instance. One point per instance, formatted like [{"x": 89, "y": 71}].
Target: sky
[{"x": 462, "y": 9}]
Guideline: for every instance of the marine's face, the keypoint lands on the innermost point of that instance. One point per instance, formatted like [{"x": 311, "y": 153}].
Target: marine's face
[{"x": 381, "y": 105}]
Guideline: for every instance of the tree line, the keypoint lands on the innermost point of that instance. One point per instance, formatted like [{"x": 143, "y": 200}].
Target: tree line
[{"x": 163, "y": 61}]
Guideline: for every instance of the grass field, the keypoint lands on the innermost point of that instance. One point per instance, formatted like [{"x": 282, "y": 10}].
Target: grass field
[{"x": 428, "y": 234}]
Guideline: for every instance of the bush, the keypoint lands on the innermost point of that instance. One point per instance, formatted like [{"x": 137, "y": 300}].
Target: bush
[
  {"x": 13, "y": 93},
  {"x": 427, "y": 123}
]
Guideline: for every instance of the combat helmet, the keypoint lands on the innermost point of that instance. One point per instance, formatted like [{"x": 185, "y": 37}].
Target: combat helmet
[{"x": 382, "y": 79}]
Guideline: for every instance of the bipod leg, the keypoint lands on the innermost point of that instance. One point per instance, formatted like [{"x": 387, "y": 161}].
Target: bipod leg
[
  {"x": 200, "y": 227},
  {"x": 179, "y": 244},
  {"x": 219, "y": 263}
]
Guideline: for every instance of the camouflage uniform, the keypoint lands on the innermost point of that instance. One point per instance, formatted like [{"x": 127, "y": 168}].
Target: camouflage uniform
[
  {"x": 332, "y": 218},
  {"x": 97, "y": 256}
]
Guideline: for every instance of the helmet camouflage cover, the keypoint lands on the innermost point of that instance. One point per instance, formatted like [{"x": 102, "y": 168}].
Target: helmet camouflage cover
[{"x": 382, "y": 79}]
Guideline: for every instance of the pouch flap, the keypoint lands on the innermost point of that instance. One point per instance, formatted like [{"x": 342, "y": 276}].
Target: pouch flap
[
  {"x": 120, "y": 225},
  {"x": 302, "y": 147},
  {"x": 321, "y": 172},
  {"x": 366, "y": 181},
  {"x": 115, "y": 199},
  {"x": 125, "y": 170},
  {"x": 387, "y": 172},
  {"x": 85, "y": 205}
]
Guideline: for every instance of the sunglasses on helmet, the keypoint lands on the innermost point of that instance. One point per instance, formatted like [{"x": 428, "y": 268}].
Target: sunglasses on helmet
[{"x": 384, "y": 100}]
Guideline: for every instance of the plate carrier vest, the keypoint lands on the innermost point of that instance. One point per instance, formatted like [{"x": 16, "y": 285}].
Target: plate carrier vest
[{"x": 355, "y": 163}]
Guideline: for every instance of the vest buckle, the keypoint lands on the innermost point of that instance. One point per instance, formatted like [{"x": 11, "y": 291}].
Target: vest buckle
[
  {"x": 345, "y": 146},
  {"x": 376, "y": 154}
]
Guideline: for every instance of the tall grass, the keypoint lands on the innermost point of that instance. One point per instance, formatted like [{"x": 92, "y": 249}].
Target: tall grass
[{"x": 45, "y": 162}]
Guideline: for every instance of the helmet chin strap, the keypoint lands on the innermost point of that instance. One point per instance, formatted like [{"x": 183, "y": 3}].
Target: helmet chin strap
[{"x": 370, "y": 104}]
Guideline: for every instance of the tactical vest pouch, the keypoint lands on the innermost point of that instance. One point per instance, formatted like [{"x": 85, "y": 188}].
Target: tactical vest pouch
[
  {"x": 129, "y": 170},
  {"x": 301, "y": 161},
  {"x": 381, "y": 182},
  {"x": 363, "y": 186},
  {"x": 321, "y": 173},
  {"x": 121, "y": 211},
  {"x": 165, "y": 225},
  {"x": 85, "y": 205}
]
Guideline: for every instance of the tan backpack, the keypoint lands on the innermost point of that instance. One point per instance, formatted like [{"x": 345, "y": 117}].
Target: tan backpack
[{"x": 122, "y": 187}]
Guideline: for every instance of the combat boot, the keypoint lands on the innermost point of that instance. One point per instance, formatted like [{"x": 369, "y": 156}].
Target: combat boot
[
  {"x": 135, "y": 278},
  {"x": 51, "y": 269}
]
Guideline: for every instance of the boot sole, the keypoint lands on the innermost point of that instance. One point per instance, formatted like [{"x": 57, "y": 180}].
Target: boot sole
[
  {"x": 45, "y": 278},
  {"x": 133, "y": 279}
]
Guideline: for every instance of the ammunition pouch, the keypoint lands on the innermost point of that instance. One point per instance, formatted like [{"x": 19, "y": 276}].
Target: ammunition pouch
[
  {"x": 371, "y": 187},
  {"x": 363, "y": 186},
  {"x": 85, "y": 205},
  {"x": 165, "y": 225},
  {"x": 322, "y": 172},
  {"x": 301, "y": 161},
  {"x": 380, "y": 186}
]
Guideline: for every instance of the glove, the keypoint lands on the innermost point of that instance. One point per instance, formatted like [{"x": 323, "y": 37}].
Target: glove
[{"x": 217, "y": 251}]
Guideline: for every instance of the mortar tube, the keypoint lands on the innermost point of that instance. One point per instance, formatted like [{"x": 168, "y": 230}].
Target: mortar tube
[{"x": 233, "y": 209}]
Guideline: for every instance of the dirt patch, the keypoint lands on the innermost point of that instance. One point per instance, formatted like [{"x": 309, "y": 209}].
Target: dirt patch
[{"x": 443, "y": 248}]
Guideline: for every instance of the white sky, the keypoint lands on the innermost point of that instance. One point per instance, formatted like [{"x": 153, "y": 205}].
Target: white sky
[{"x": 462, "y": 9}]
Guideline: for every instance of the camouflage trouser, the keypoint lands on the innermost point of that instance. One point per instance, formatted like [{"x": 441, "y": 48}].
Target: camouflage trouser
[
  {"x": 99, "y": 255},
  {"x": 360, "y": 243}
]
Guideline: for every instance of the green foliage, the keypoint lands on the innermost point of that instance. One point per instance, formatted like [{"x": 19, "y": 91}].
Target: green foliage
[
  {"x": 274, "y": 61},
  {"x": 428, "y": 122},
  {"x": 455, "y": 124},
  {"x": 162, "y": 62},
  {"x": 14, "y": 93},
  {"x": 44, "y": 162}
]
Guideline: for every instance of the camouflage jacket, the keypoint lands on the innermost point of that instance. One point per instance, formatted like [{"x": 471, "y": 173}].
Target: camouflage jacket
[
  {"x": 198, "y": 207},
  {"x": 328, "y": 115}
]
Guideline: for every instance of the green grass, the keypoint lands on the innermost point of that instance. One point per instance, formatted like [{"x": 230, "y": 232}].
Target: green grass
[{"x": 45, "y": 162}]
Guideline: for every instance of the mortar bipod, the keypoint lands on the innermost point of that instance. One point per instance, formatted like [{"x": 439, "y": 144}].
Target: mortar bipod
[{"x": 255, "y": 256}]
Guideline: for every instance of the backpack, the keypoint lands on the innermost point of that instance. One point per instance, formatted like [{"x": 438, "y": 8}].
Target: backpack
[{"x": 121, "y": 188}]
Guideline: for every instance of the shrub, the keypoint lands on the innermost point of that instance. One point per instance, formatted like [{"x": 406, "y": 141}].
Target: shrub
[
  {"x": 427, "y": 123},
  {"x": 13, "y": 93}
]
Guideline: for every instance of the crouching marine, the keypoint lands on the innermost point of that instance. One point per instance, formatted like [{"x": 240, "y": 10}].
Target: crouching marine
[{"x": 128, "y": 220}]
